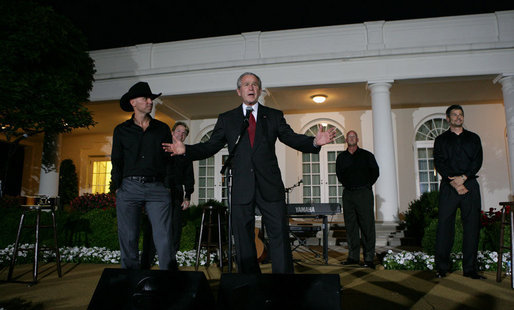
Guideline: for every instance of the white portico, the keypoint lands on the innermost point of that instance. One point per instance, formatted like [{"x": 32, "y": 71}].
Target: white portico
[{"x": 383, "y": 79}]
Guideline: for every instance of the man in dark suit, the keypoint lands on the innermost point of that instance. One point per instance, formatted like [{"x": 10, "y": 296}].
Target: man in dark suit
[{"x": 256, "y": 176}]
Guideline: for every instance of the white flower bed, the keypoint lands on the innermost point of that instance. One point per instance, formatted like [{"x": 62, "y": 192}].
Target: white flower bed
[
  {"x": 94, "y": 255},
  {"x": 487, "y": 261}
]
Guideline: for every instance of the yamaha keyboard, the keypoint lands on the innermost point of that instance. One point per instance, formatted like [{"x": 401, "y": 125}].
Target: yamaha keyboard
[{"x": 313, "y": 209}]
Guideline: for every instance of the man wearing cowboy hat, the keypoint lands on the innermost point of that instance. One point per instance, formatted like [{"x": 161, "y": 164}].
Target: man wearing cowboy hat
[{"x": 138, "y": 171}]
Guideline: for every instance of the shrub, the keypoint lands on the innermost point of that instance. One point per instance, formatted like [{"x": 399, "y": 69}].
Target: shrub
[
  {"x": 429, "y": 237},
  {"x": 89, "y": 202},
  {"x": 68, "y": 181},
  {"x": 420, "y": 214},
  {"x": 103, "y": 228}
]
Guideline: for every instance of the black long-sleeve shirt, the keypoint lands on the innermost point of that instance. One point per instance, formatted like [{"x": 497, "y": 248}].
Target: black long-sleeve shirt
[
  {"x": 356, "y": 170},
  {"x": 139, "y": 153},
  {"x": 180, "y": 173},
  {"x": 456, "y": 155}
]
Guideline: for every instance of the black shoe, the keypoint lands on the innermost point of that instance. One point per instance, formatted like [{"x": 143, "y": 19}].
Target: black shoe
[
  {"x": 370, "y": 265},
  {"x": 440, "y": 274},
  {"x": 350, "y": 262},
  {"x": 474, "y": 275}
]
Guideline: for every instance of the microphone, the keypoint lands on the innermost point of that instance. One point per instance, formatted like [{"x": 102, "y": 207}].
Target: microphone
[{"x": 247, "y": 114}]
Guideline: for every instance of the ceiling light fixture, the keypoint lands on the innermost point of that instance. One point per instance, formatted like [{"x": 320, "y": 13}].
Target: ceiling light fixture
[{"x": 319, "y": 98}]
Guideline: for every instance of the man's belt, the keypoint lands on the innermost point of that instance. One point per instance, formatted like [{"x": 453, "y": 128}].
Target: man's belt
[
  {"x": 144, "y": 179},
  {"x": 356, "y": 188}
]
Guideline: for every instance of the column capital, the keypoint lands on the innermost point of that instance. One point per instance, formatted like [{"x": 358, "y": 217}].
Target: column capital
[
  {"x": 503, "y": 77},
  {"x": 385, "y": 83}
]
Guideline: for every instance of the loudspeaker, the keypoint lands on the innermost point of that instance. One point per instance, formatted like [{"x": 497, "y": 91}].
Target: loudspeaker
[
  {"x": 151, "y": 289},
  {"x": 280, "y": 291}
]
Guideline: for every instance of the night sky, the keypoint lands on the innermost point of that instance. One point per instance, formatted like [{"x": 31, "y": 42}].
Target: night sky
[{"x": 117, "y": 23}]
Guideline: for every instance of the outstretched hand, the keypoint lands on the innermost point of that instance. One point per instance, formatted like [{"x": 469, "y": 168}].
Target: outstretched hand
[
  {"x": 324, "y": 137},
  {"x": 175, "y": 148}
]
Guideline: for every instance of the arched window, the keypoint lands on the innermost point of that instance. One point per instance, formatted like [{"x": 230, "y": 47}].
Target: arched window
[
  {"x": 320, "y": 182},
  {"x": 426, "y": 177},
  {"x": 211, "y": 184}
]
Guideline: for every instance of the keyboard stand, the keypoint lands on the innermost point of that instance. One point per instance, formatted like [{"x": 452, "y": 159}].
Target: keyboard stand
[{"x": 303, "y": 242}]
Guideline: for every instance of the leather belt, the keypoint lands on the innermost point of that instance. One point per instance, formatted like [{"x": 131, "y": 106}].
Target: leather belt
[
  {"x": 356, "y": 188},
  {"x": 144, "y": 179}
]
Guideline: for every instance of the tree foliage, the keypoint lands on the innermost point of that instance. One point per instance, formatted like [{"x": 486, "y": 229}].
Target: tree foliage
[{"x": 46, "y": 73}]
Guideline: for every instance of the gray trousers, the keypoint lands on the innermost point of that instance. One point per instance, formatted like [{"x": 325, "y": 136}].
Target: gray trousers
[
  {"x": 359, "y": 215},
  {"x": 131, "y": 197}
]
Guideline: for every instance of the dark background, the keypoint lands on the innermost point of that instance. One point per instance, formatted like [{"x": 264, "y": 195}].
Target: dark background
[{"x": 116, "y": 23}]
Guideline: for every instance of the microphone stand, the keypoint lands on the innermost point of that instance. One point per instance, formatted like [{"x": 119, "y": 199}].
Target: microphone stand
[
  {"x": 228, "y": 177},
  {"x": 289, "y": 189}
]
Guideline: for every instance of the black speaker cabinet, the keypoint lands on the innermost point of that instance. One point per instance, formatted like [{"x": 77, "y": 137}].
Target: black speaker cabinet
[
  {"x": 280, "y": 291},
  {"x": 151, "y": 289}
]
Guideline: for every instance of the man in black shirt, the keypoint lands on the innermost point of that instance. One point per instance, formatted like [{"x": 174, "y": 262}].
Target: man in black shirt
[
  {"x": 180, "y": 178},
  {"x": 138, "y": 172},
  {"x": 358, "y": 170},
  {"x": 457, "y": 158}
]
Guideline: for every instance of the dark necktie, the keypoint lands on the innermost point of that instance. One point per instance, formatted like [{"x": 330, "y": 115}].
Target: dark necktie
[{"x": 251, "y": 125}]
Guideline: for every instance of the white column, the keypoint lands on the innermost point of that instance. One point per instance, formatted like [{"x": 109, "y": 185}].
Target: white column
[
  {"x": 49, "y": 175},
  {"x": 386, "y": 188},
  {"x": 507, "y": 82}
]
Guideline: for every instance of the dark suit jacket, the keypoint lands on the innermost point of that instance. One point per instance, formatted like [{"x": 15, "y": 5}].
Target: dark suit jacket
[{"x": 257, "y": 166}]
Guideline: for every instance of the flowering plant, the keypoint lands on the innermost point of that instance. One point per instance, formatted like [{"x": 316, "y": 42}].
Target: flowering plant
[
  {"x": 94, "y": 255},
  {"x": 490, "y": 217},
  {"x": 486, "y": 261},
  {"x": 89, "y": 202}
]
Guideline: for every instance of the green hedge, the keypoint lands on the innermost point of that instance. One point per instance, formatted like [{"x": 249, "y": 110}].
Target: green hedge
[
  {"x": 91, "y": 221},
  {"x": 429, "y": 237}
]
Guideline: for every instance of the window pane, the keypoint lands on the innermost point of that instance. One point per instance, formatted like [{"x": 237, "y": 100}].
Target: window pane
[
  {"x": 423, "y": 177},
  {"x": 306, "y": 168},
  {"x": 331, "y": 168},
  {"x": 332, "y": 179},
  {"x": 423, "y": 188},
  {"x": 306, "y": 191},
  {"x": 332, "y": 191},
  {"x": 422, "y": 165},
  {"x": 316, "y": 191},
  {"x": 315, "y": 168},
  {"x": 422, "y": 153},
  {"x": 315, "y": 157},
  {"x": 433, "y": 176},
  {"x": 315, "y": 179},
  {"x": 331, "y": 156}
]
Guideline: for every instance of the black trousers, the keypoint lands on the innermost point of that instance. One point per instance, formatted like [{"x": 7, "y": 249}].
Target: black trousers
[
  {"x": 359, "y": 220},
  {"x": 470, "y": 206},
  {"x": 148, "y": 253},
  {"x": 274, "y": 217}
]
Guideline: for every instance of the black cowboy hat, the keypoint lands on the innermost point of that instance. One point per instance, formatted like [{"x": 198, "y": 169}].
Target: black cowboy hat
[{"x": 140, "y": 89}]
